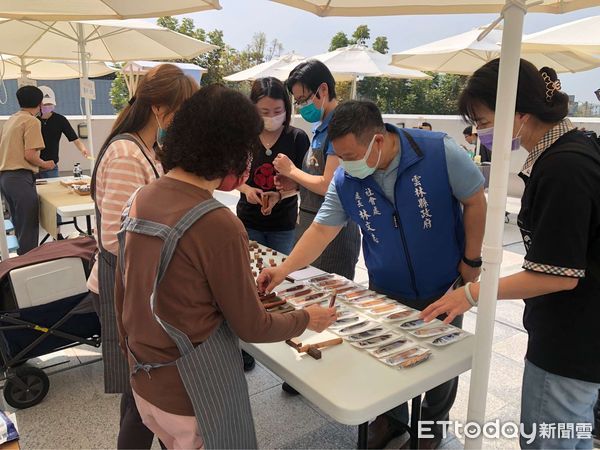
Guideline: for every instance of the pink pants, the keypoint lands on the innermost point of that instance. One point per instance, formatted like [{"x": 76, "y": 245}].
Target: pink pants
[{"x": 175, "y": 432}]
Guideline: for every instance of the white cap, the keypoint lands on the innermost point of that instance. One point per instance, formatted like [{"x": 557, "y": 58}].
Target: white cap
[{"x": 49, "y": 97}]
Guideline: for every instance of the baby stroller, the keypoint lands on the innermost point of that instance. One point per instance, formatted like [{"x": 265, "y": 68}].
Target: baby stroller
[{"x": 44, "y": 307}]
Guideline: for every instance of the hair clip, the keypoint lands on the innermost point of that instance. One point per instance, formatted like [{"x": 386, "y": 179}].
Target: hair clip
[
  {"x": 551, "y": 86},
  {"x": 131, "y": 100}
]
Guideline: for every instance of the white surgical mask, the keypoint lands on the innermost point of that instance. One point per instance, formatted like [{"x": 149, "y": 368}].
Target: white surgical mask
[
  {"x": 274, "y": 123},
  {"x": 360, "y": 168}
]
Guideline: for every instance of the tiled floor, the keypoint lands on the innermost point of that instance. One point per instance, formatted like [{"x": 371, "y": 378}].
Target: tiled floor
[{"x": 77, "y": 414}]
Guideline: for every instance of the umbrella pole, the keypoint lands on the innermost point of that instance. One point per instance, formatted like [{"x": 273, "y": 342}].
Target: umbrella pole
[
  {"x": 84, "y": 72},
  {"x": 514, "y": 14},
  {"x": 353, "y": 89}
]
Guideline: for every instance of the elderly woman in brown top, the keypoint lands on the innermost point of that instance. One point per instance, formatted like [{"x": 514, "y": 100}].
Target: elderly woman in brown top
[{"x": 185, "y": 292}]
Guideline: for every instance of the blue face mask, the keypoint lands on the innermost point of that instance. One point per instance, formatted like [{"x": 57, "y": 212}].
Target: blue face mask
[
  {"x": 311, "y": 113},
  {"x": 360, "y": 169},
  {"x": 161, "y": 134}
]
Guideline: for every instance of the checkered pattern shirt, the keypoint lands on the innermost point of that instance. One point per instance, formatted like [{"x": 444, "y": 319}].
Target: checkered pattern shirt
[{"x": 564, "y": 126}]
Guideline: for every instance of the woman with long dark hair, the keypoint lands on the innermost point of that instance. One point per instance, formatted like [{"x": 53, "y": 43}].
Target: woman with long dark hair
[
  {"x": 126, "y": 162},
  {"x": 274, "y": 223}
]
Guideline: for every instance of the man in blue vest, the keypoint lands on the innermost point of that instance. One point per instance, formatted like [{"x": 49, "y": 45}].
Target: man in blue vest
[{"x": 419, "y": 202}]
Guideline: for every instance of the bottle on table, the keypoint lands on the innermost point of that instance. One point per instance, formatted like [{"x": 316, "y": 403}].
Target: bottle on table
[{"x": 77, "y": 172}]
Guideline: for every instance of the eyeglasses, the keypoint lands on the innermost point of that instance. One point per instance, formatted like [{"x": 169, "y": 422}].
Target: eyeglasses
[{"x": 303, "y": 102}]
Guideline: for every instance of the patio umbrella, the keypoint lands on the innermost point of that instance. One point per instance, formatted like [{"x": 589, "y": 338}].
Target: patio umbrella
[
  {"x": 43, "y": 69},
  {"x": 101, "y": 40},
  {"x": 464, "y": 53},
  {"x": 581, "y": 35},
  {"x": 270, "y": 68},
  {"x": 513, "y": 13},
  {"x": 94, "y": 10},
  {"x": 356, "y": 61},
  {"x": 100, "y": 9},
  {"x": 358, "y": 8},
  {"x": 134, "y": 70}
]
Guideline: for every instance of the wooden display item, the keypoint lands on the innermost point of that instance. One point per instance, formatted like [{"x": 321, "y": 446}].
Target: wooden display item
[{"x": 313, "y": 350}]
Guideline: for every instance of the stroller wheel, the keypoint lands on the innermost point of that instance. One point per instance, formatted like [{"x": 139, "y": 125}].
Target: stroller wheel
[{"x": 26, "y": 388}]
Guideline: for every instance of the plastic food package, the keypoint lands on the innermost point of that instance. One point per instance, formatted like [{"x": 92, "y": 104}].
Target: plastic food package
[
  {"x": 367, "y": 334},
  {"x": 427, "y": 332},
  {"x": 310, "y": 299},
  {"x": 447, "y": 339},
  {"x": 402, "y": 315},
  {"x": 369, "y": 304},
  {"x": 347, "y": 321},
  {"x": 414, "y": 324},
  {"x": 357, "y": 328},
  {"x": 408, "y": 357},
  {"x": 376, "y": 341},
  {"x": 383, "y": 309},
  {"x": 392, "y": 347}
]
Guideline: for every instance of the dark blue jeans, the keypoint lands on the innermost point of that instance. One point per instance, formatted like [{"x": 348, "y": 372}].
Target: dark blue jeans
[{"x": 281, "y": 241}]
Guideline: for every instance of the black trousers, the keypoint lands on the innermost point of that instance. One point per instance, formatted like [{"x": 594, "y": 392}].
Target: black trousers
[
  {"x": 439, "y": 400},
  {"x": 18, "y": 189}
]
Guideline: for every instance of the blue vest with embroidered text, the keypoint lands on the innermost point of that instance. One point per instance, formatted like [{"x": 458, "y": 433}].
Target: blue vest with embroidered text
[{"x": 412, "y": 248}]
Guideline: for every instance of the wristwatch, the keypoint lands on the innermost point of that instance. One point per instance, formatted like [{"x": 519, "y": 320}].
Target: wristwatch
[{"x": 475, "y": 263}]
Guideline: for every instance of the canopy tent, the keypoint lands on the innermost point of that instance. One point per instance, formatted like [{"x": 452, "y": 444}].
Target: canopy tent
[
  {"x": 270, "y": 68},
  {"x": 134, "y": 70},
  {"x": 513, "y": 13},
  {"x": 100, "y": 9},
  {"x": 356, "y": 61},
  {"x": 465, "y": 52}
]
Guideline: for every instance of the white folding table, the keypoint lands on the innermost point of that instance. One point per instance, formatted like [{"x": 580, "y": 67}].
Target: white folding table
[{"x": 352, "y": 387}]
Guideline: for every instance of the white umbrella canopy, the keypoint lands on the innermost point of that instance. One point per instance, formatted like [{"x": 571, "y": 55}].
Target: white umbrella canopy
[
  {"x": 100, "y": 40},
  {"x": 43, "y": 69},
  {"x": 513, "y": 12},
  {"x": 464, "y": 53},
  {"x": 270, "y": 68},
  {"x": 100, "y": 9},
  {"x": 353, "y": 8},
  {"x": 348, "y": 63},
  {"x": 104, "y": 40},
  {"x": 582, "y": 35}
]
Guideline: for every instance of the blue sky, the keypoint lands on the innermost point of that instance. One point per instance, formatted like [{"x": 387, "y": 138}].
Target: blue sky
[{"x": 307, "y": 34}]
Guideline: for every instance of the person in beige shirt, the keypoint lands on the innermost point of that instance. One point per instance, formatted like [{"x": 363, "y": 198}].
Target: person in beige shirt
[{"x": 20, "y": 144}]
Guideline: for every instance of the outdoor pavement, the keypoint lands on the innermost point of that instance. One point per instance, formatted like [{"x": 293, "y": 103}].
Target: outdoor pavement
[{"x": 77, "y": 414}]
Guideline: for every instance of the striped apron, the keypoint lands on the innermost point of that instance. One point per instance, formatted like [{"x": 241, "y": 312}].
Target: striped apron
[
  {"x": 341, "y": 255},
  {"x": 212, "y": 372},
  {"x": 116, "y": 373}
]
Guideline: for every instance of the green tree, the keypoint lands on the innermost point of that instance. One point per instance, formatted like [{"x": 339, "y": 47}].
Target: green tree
[
  {"x": 339, "y": 40},
  {"x": 361, "y": 35},
  {"x": 119, "y": 95},
  {"x": 381, "y": 45}
]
